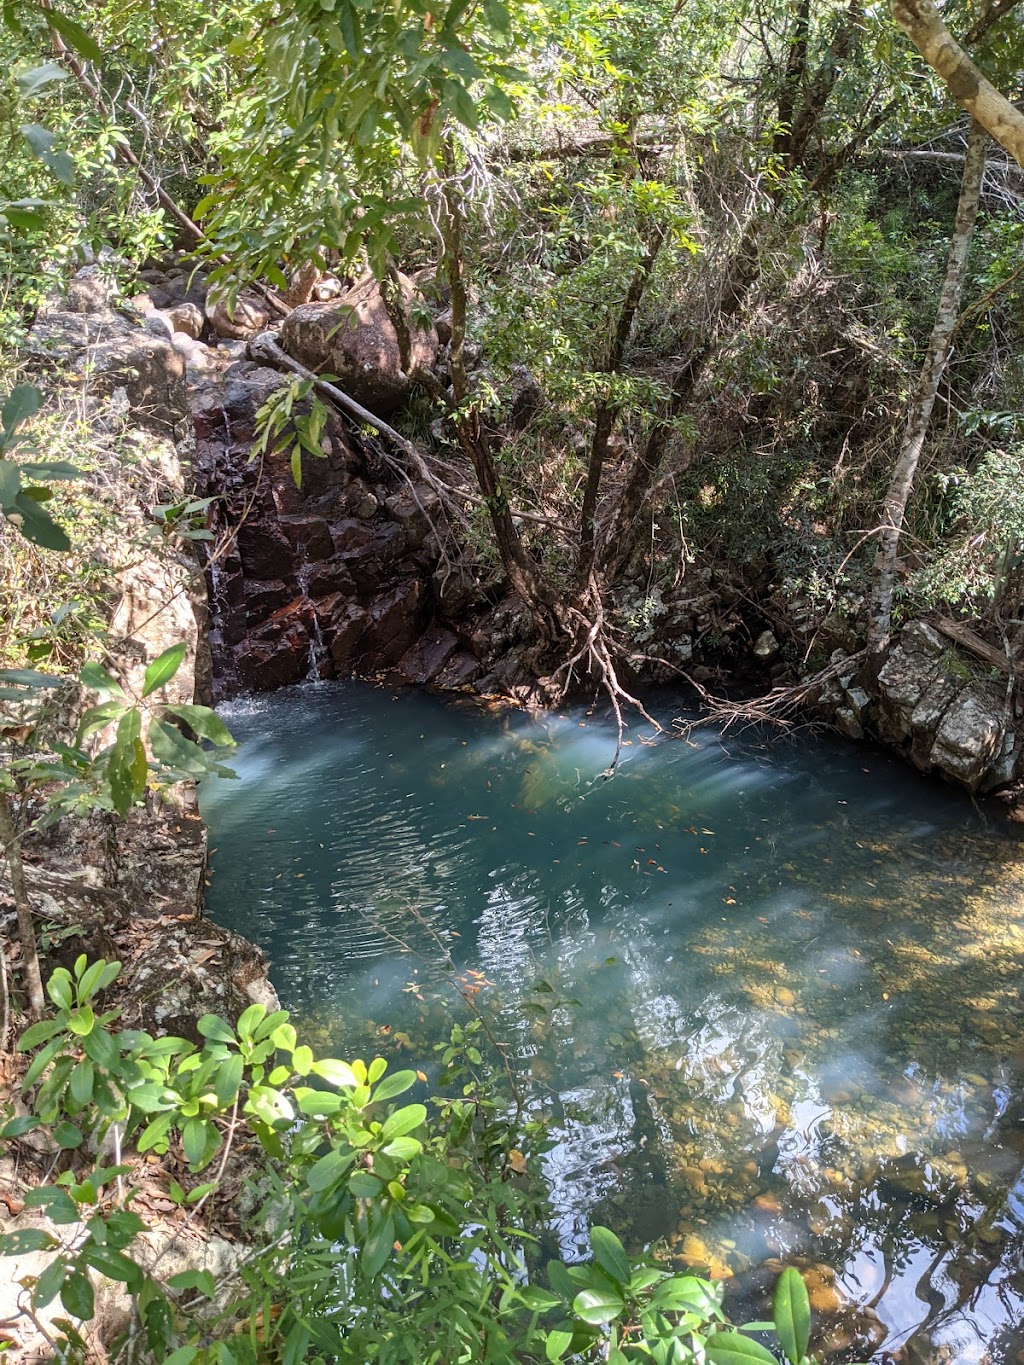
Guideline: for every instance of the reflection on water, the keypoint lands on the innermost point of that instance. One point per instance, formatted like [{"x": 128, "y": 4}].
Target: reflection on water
[{"x": 769, "y": 997}]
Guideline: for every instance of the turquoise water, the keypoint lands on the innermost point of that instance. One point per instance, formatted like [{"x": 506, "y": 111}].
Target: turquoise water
[{"x": 768, "y": 995}]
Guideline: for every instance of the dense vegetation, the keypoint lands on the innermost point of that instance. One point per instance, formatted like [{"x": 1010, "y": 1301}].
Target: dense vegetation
[
  {"x": 732, "y": 291},
  {"x": 693, "y": 258}
]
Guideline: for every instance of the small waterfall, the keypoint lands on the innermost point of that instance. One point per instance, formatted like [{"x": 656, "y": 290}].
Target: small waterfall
[{"x": 317, "y": 643}]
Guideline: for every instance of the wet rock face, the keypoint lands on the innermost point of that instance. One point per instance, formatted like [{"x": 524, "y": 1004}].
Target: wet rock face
[
  {"x": 353, "y": 337},
  {"x": 338, "y": 577}
]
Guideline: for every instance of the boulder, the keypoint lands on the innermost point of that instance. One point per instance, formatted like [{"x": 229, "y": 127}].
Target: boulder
[
  {"x": 245, "y": 317},
  {"x": 969, "y": 737},
  {"x": 120, "y": 357},
  {"x": 353, "y": 337}
]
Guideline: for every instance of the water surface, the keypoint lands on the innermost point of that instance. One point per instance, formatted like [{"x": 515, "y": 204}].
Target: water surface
[{"x": 767, "y": 994}]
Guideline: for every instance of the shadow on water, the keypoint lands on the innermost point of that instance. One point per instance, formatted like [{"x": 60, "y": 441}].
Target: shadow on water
[{"x": 768, "y": 997}]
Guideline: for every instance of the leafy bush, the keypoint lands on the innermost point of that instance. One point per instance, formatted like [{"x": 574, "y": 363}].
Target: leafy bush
[{"x": 387, "y": 1234}]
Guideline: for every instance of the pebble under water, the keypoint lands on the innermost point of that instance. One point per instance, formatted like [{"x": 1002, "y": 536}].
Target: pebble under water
[{"x": 768, "y": 994}]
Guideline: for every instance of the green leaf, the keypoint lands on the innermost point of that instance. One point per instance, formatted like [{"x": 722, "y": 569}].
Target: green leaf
[
  {"x": 730, "y": 1348},
  {"x": 15, "y": 1128},
  {"x": 74, "y": 34},
  {"x": 215, "y": 1028},
  {"x": 395, "y": 1084},
  {"x": 598, "y": 1306},
  {"x": 97, "y": 679},
  {"x": 49, "y": 1282},
  {"x": 329, "y": 1170},
  {"x": 557, "y": 1344},
  {"x": 539, "y": 1300},
  {"x": 10, "y": 484},
  {"x": 205, "y": 723},
  {"x": 115, "y": 1265},
  {"x": 610, "y": 1254},
  {"x": 52, "y": 470},
  {"x": 39, "y": 1033},
  {"x": 163, "y": 668},
  {"x": 83, "y": 1079},
  {"x": 127, "y": 767},
  {"x": 23, "y": 402},
  {"x": 41, "y": 141},
  {"x": 228, "y": 1079},
  {"x": 194, "y": 1138},
  {"x": 201, "y": 1280},
  {"x": 791, "y": 1310},
  {"x": 296, "y": 1345},
  {"x": 77, "y": 1296},
  {"x": 67, "y": 1136},
  {"x": 363, "y": 1185},
  {"x": 403, "y": 1148},
  {"x": 335, "y": 1072},
  {"x": 403, "y": 1121},
  {"x": 24, "y": 1240},
  {"x": 378, "y": 1246},
  {"x": 35, "y": 523}
]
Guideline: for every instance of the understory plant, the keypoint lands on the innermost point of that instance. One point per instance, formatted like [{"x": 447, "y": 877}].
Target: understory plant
[{"x": 390, "y": 1226}]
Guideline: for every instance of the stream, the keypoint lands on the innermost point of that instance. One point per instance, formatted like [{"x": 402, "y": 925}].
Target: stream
[{"x": 767, "y": 994}]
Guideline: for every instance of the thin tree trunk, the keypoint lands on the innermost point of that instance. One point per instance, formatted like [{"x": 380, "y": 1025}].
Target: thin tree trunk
[
  {"x": 26, "y": 929},
  {"x": 604, "y": 416},
  {"x": 473, "y": 435},
  {"x": 919, "y": 417}
]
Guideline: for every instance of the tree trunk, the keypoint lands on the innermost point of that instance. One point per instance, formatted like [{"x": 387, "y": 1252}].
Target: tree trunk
[
  {"x": 922, "y": 23},
  {"x": 475, "y": 439},
  {"x": 919, "y": 417},
  {"x": 26, "y": 929},
  {"x": 604, "y": 416}
]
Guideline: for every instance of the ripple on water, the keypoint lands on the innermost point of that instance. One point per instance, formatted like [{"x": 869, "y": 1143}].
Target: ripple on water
[{"x": 768, "y": 997}]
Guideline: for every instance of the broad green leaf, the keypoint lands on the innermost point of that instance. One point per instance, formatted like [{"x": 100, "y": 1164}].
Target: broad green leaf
[
  {"x": 53, "y": 470},
  {"x": 558, "y": 1342},
  {"x": 49, "y": 1282},
  {"x": 403, "y": 1148},
  {"x": 195, "y": 1135},
  {"x": 75, "y": 35},
  {"x": 228, "y": 1079},
  {"x": 378, "y": 1246},
  {"x": 35, "y": 523},
  {"x": 791, "y": 1310},
  {"x": 598, "y": 1306},
  {"x": 610, "y": 1254},
  {"x": 97, "y": 679},
  {"x": 76, "y": 1294},
  {"x": 163, "y": 668},
  {"x": 23, "y": 402},
  {"x": 24, "y": 1240},
  {"x": 205, "y": 723},
  {"x": 10, "y": 484},
  {"x": 395, "y": 1084},
  {"x": 730, "y": 1348},
  {"x": 83, "y": 1079},
  {"x": 329, "y": 1170},
  {"x": 67, "y": 1136},
  {"x": 39, "y": 1033},
  {"x": 335, "y": 1072},
  {"x": 363, "y": 1185},
  {"x": 212, "y": 1026},
  {"x": 403, "y": 1121},
  {"x": 41, "y": 141},
  {"x": 31, "y": 82}
]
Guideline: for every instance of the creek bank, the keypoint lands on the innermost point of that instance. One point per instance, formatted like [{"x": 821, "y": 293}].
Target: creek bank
[{"x": 127, "y": 890}]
